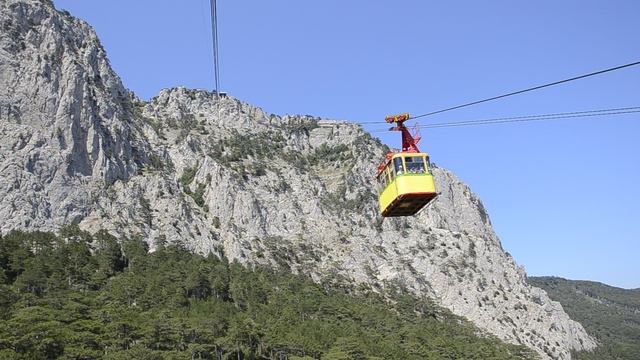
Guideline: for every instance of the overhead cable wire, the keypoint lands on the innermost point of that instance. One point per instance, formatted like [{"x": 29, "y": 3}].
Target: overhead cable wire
[
  {"x": 515, "y": 92},
  {"x": 214, "y": 39},
  {"x": 535, "y": 117},
  {"x": 528, "y": 89},
  {"x": 529, "y": 118}
]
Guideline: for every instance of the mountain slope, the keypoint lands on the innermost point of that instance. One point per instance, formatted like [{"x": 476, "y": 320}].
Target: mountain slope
[
  {"x": 222, "y": 176},
  {"x": 611, "y": 314}
]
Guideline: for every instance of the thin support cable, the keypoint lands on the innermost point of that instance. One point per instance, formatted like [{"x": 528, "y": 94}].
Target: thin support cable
[
  {"x": 530, "y": 118},
  {"x": 515, "y": 92},
  {"x": 214, "y": 39},
  {"x": 529, "y": 89}
]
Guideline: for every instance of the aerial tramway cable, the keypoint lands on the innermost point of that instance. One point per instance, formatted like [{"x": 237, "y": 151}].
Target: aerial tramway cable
[
  {"x": 214, "y": 38},
  {"x": 529, "y": 118},
  {"x": 516, "y": 92},
  {"x": 529, "y": 89}
]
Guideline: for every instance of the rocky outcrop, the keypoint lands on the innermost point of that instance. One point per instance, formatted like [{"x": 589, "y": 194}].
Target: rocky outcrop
[
  {"x": 222, "y": 176},
  {"x": 66, "y": 133}
]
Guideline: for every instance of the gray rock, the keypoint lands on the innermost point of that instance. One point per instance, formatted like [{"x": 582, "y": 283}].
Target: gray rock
[{"x": 222, "y": 176}]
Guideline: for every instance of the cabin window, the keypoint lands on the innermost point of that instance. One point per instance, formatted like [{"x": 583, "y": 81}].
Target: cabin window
[
  {"x": 397, "y": 164},
  {"x": 415, "y": 164},
  {"x": 383, "y": 179}
]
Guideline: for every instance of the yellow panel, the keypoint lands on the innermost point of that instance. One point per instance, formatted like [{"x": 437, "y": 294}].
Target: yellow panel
[
  {"x": 415, "y": 183},
  {"x": 387, "y": 196},
  {"x": 406, "y": 184},
  {"x": 403, "y": 155}
]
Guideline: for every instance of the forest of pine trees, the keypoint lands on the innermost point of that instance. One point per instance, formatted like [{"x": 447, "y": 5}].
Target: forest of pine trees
[{"x": 81, "y": 296}]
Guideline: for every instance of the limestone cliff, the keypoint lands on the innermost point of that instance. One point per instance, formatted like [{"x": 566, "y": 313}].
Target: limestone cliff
[{"x": 222, "y": 176}]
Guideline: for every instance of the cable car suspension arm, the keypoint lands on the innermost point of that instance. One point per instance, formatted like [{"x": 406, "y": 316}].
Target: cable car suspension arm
[{"x": 409, "y": 141}]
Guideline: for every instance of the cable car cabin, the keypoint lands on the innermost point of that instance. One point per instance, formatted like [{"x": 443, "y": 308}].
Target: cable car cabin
[
  {"x": 406, "y": 184},
  {"x": 404, "y": 178}
]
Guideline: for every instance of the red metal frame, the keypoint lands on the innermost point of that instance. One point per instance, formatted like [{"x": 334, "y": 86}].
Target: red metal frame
[{"x": 409, "y": 141}]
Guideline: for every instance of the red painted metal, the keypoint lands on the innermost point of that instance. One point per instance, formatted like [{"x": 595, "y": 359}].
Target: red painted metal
[{"x": 409, "y": 141}]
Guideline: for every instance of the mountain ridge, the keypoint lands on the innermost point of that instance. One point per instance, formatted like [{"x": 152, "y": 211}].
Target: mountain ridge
[
  {"x": 610, "y": 313},
  {"x": 225, "y": 177}
]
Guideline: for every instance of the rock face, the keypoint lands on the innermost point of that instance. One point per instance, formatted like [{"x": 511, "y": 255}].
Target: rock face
[
  {"x": 65, "y": 132},
  {"x": 222, "y": 176}
]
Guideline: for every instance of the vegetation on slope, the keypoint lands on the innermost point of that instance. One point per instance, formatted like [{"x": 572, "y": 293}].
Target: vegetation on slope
[
  {"x": 78, "y": 296},
  {"x": 610, "y": 314}
]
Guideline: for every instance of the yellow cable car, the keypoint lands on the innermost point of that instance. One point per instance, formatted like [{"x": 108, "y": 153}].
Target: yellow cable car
[{"x": 405, "y": 181}]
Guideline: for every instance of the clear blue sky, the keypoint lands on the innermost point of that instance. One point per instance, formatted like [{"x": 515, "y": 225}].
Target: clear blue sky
[{"x": 563, "y": 195}]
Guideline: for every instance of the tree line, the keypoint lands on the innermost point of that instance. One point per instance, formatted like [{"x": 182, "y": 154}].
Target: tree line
[{"x": 80, "y": 296}]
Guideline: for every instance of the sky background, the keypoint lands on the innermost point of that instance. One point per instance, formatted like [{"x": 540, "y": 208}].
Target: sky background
[{"x": 563, "y": 196}]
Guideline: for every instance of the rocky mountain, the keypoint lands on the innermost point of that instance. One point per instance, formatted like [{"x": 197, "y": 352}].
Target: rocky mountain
[
  {"x": 611, "y": 314},
  {"x": 223, "y": 176}
]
